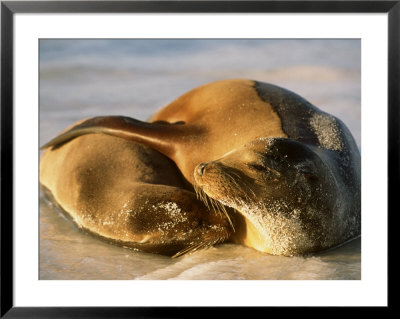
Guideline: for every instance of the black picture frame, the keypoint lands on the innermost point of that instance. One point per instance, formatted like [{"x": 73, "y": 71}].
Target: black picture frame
[{"x": 9, "y": 8}]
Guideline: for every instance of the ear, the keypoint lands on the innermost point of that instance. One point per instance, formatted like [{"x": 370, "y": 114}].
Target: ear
[
  {"x": 310, "y": 177},
  {"x": 308, "y": 170}
]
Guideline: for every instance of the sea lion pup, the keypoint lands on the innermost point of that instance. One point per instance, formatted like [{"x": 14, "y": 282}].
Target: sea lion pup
[{"x": 290, "y": 170}]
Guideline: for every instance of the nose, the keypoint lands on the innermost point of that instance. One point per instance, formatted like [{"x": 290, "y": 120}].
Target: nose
[{"x": 201, "y": 168}]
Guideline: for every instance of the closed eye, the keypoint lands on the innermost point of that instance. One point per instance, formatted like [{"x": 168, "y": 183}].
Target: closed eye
[
  {"x": 266, "y": 170},
  {"x": 257, "y": 167}
]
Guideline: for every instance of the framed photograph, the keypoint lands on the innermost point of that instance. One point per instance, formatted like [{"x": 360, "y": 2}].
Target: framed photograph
[{"x": 127, "y": 66}]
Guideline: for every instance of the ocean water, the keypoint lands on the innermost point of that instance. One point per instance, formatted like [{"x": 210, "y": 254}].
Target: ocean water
[{"x": 85, "y": 78}]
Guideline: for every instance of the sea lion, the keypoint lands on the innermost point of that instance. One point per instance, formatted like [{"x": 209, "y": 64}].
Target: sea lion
[
  {"x": 129, "y": 194},
  {"x": 289, "y": 172}
]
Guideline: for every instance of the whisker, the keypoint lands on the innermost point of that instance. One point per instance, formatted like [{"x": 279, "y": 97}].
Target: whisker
[
  {"x": 233, "y": 180},
  {"x": 236, "y": 174},
  {"x": 240, "y": 187},
  {"x": 212, "y": 203},
  {"x": 222, "y": 207}
]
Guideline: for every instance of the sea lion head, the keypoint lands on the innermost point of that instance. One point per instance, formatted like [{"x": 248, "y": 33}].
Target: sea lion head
[{"x": 284, "y": 188}]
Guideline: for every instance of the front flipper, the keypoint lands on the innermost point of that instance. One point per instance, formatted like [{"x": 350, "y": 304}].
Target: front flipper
[
  {"x": 161, "y": 136},
  {"x": 171, "y": 221},
  {"x": 152, "y": 218}
]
